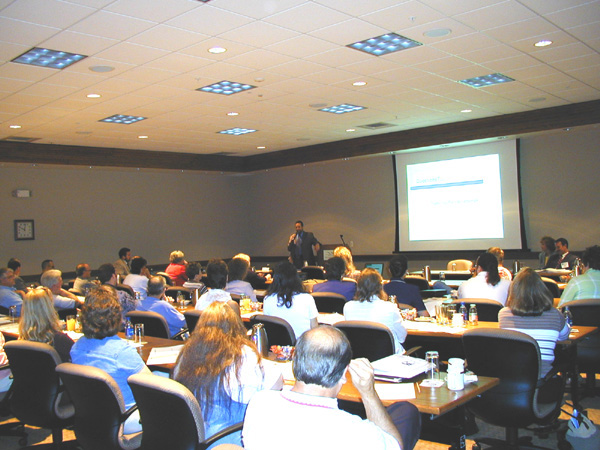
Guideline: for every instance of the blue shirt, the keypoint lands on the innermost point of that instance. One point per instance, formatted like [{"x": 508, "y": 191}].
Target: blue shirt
[
  {"x": 113, "y": 355},
  {"x": 346, "y": 288},
  {"x": 405, "y": 293},
  {"x": 174, "y": 318},
  {"x": 9, "y": 297}
]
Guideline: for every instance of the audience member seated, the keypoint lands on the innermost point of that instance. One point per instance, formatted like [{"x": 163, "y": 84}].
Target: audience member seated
[
  {"x": 138, "y": 278},
  {"x": 101, "y": 347},
  {"x": 287, "y": 300},
  {"x": 216, "y": 278},
  {"x": 308, "y": 416},
  {"x": 548, "y": 246},
  {"x": 84, "y": 281},
  {"x": 193, "y": 272},
  {"x": 530, "y": 310},
  {"x": 40, "y": 322},
  {"x": 502, "y": 271},
  {"x": 238, "y": 268},
  {"x": 335, "y": 269},
  {"x": 52, "y": 279},
  {"x": 487, "y": 282},
  {"x": 157, "y": 302},
  {"x": 47, "y": 264},
  {"x": 257, "y": 280},
  {"x": 588, "y": 284},
  {"x": 404, "y": 292},
  {"x": 566, "y": 259},
  {"x": 5, "y": 375},
  {"x": 108, "y": 277},
  {"x": 176, "y": 270},
  {"x": 371, "y": 304},
  {"x": 8, "y": 294},
  {"x": 15, "y": 265},
  {"x": 223, "y": 369},
  {"x": 345, "y": 253},
  {"x": 122, "y": 264}
]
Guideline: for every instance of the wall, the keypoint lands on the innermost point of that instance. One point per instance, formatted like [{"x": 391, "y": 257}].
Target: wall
[{"x": 88, "y": 214}]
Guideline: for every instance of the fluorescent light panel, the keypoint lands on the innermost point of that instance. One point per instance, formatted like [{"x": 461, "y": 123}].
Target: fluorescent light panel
[
  {"x": 237, "y": 131},
  {"x": 48, "y": 58},
  {"x": 487, "y": 80},
  {"x": 384, "y": 44},
  {"x": 226, "y": 88},
  {"x": 342, "y": 109},
  {"x": 122, "y": 119}
]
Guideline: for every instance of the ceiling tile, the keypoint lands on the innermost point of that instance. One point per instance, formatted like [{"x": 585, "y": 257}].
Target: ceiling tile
[
  {"x": 17, "y": 32},
  {"x": 153, "y": 10},
  {"x": 307, "y": 17},
  {"x": 535, "y": 29},
  {"x": 358, "y": 8},
  {"x": 497, "y": 15},
  {"x": 179, "y": 63},
  {"x": 405, "y": 15},
  {"x": 260, "y": 59},
  {"x": 131, "y": 53},
  {"x": 209, "y": 20},
  {"x": 455, "y": 8},
  {"x": 51, "y": 13},
  {"x": 168, "y": 38},
  {"x": 259, "y": 34},
  {"x": 348, "y": 32},
  {"x": 576, "y": 16},
  {"x": 110, "y": 25},
  {"x": 83, "y": 44},
  {"x": 549, "y": 6},
  {"x": 258, "y": 9},
  {"x": 302, "y": 46}
]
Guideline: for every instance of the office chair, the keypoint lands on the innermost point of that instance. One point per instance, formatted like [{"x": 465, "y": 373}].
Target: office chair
[
  {"x": 431, "y": 293},
  {"x": 313, "y": 272},
  {"x": 166, "y": 276},
  {"x": 63, "y": 313},
  {"x": 369, "y": 340},
  {"x": 173, "y": 292},
  {"x": 329, "y": 302},
  {"x": 522, "y": 398},
  {"x": 37, "y": 392},
  {"x": 420, "y": 282},
  {"x": 11, "y": 428},
  {"x": 461, "y": 264},
  {"x": 487, "y": 309},
  {"x": 124, "y": 287},
  {"x": 171, "y": 415},
  {"x": 586, "y": 312},
  {"x": 192, "y": 316},
  {"x": 154, "y": 324},
  {"x": 279, "y": 331},
  {"x": 99, "y": 408},
  {"x": 552, "y": 287}
]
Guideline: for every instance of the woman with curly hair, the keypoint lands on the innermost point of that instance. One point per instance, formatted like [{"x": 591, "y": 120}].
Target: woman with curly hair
[
  {"x": 176, "y": 270},
  {"x": 101, "y": 347},
  {"x": 40, "y": 323},
  {"x": 345, "y": 253},
  {"x": 223, "y": 369}
]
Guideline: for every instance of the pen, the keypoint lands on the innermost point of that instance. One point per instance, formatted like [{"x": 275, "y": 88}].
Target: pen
[{"x": 418, "y": 387}]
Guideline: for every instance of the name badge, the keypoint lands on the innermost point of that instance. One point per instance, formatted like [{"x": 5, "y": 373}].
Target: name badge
[{"x": 564, "y": 265}]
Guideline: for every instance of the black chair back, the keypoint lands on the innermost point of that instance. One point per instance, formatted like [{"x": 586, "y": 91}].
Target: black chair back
[
  {"x": 63, "y": 313},
  {"x": 154, "y": 324},
  {"x": 36, "y": 392},
  {"x": 313, "y": 272},
  {"x": 586, "y": 312},
  {"x": 279, "y": 331},
  {"x": 429, "y": 293},
  {"x": 173, "y": 292},
  {"x": 552, "y": 287},
  {"x": 369, "y": 340},
  {"x": 420, "y": 282},
  {"x": 191, "y": 319},
  {"x": 125, "y": 288},
  {"x": 487, "y": 309},
  {"x": 99, "y": 408},
  {"x": 329, "y": 302}
]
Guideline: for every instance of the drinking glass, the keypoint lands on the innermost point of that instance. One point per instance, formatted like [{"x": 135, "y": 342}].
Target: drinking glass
[
  {"x": 12, "y": 313},
  {"x": 70, "y": 323},
  {"x": 139, "y": 333},
  {"x": 433, "y": 370}
]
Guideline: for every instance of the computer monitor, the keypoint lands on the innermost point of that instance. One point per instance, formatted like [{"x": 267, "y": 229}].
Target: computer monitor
[{"x": 377, "y": 266}]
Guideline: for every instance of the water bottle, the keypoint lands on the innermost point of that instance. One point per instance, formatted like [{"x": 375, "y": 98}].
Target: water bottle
[
  {"x": 463, "y": 311},
  {"x": 129, "y": 330},
  {"x": 568, "y": 316},
  {"x": 473, "y": 318}
]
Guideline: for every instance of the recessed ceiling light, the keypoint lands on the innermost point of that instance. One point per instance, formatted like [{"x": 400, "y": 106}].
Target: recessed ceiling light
[
  {"x": 101, "y": 69},
  {"x": 543, "y": 43},
  {"x": 123, "y": 119},
  {"x": 237, "y": 131},
  {"x": 142, "y": 137},
  {"x": 342, "y": 109},
  {"x": 359, "y": 83},
  {"x": 232, "y": 113},
  {"x": 226, "y": 87},
  {"x": 466, "y": 111},
  {"x": 350, "y": 130},
  {"x": 217, "y": 50},
  {"x": 259, "y": 79},
  {"x": 384, "y": 44},
  {"x": 261, "y": 147},
  {"x": 438, "y": 32},
  {"x": 48, "y": 58},
  {"x": 15, "y": 126},
  {"x": 486, "y": 80},
  {"x": 94, "y": 96}
]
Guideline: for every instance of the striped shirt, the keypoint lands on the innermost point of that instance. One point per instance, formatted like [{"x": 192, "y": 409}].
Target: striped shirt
[
  {"x": 583, "y": 286},
  {"x": 545, "y": 329}
]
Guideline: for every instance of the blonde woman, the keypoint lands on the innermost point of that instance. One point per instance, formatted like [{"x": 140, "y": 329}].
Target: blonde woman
[
  {"x": 176, "y": 269},
  {"x": 40, "y": 323},
  {"x": 346, "y": 255}
]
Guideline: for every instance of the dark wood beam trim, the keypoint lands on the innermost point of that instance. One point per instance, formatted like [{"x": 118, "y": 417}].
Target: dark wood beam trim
[{"x": 509, "y": 124}]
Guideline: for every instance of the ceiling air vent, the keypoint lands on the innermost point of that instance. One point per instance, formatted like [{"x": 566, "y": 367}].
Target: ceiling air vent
[
  {"x": 377, "y": 125},
  {"x": 20, "y": 139}
]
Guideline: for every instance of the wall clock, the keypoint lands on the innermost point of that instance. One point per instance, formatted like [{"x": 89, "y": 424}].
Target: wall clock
[{"x": 24, "y": 230}]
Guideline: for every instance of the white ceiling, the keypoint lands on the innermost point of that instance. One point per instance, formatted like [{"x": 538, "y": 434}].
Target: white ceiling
[{"x": 295, "y": 52}]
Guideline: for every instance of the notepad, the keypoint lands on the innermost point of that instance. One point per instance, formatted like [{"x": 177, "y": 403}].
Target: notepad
[
  {"x": 400, "y": 366},
  {"x": 164, "y": 355}
]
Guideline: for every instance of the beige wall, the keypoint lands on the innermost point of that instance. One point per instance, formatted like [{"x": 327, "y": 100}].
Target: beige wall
[{"x": 88, "y": 214}]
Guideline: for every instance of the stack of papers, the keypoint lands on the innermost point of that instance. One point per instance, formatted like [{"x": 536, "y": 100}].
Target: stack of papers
[
  {"x": 398, "y": 367},
  {"x": 164, "y": 355}
]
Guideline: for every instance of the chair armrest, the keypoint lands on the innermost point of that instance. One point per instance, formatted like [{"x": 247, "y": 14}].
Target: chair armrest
[
  {"x": 224, "y": 432},
  {"x": 183, "y": 335},
  {"x": 412, "y": 350},
  {"x": 128, "y": 413}
]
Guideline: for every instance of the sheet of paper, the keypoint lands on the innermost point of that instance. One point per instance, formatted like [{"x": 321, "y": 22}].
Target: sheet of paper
[
  {"x": 395, "y": 391},
  {"x": 329, "y": 319},
  {"x": 164, "y": 355}
]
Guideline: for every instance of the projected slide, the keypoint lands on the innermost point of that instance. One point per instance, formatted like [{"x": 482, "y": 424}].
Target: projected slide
[{"x": 455, "y": 199}]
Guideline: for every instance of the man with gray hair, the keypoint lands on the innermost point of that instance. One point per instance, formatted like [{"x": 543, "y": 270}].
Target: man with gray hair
[
  {"x": 52, "y": 279},
  {"x": 308, "y": 416},
  {"x": 8, "y": 294},
  {"x": 156, "y": 301}
]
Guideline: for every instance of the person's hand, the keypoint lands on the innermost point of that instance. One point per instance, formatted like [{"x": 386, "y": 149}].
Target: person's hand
[
  {"x": 361, "y": 372},
  {"x": 292, "y": 238}
]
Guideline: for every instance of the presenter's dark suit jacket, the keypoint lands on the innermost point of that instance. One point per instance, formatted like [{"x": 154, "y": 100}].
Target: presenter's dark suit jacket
[
  {"x": 308, "y": 240},
  {"x": 568, "y": 262}
]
